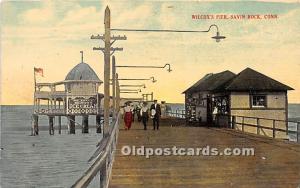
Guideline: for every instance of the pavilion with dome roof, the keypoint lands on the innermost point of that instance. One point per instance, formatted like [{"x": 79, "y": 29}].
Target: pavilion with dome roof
[{"x": 77, "y": 95}]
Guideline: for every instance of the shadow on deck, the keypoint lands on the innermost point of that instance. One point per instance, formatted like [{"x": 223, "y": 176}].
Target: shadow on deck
[{"x": 276, "y": 163}]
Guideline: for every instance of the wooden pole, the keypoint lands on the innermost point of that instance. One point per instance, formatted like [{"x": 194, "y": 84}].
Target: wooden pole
[
  {"x": 117, "y": 93},
  {"x": 274, "y": 131},
  {"x": 243, "y": 126},
  {"x": 35, "y": 128},
  {"x": 106, "y": 71},
  {"x": 85, "y": 124},
  {"x": 258, "y": 126},
  {"x": 114, "y": 82},
  {"x": 98, "y": 123},
  {"x": 71, "y": 124},
  {"x": 59, "y": 124},
  {"x": 298, "y": 132},
  {"x": 51, "y": 128},
  {"x": 233, "y": 122},
  {"x": 34, "y": 99}
]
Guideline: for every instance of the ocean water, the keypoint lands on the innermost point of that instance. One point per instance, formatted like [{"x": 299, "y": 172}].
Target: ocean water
[
  {"x": 50, "y": 161},
  {"x": 44, "y": 160}
]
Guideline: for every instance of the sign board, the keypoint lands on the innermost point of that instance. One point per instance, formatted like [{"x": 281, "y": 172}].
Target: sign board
[{"x": 82, "y": 105}]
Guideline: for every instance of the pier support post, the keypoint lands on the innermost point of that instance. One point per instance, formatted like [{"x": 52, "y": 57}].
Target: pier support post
[
  {"x": 51, "y": 128},
  {"x": 35, "y": 125},
  {"x": 98, "y": 124},
  {"x": 71, "y": 124},
  {"x": 59, "y": 124},
  {"x": 85, "y": 124}
]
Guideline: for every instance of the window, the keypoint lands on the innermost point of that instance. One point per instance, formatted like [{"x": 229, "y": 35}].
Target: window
[{"x": 259, "y": 101}]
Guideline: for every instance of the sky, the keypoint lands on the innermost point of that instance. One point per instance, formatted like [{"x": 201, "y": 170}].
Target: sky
[{"x": 51, "y": 34}]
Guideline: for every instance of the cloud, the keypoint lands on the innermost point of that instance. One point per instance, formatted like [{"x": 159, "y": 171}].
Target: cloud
[{"x": 40, "y": 15}]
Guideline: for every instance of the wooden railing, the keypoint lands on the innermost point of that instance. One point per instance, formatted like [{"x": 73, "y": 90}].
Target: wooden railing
[
  {"x": 176, "y": 113},
  {"x": 103, "y": 159},
  {"x": 260, "y": 124}
]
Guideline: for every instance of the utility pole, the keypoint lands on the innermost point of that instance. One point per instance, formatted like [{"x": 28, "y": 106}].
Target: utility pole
[
  {"x": 117, "y": 93},
  {"x": 114, "y": 81},
  {"x": 107, "y": 51}
]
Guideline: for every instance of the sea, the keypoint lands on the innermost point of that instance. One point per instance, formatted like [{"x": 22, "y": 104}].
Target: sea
[{"x": 51, "y": 161}]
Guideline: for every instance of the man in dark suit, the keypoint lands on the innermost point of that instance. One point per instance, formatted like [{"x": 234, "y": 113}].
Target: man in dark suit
[{"x": 155, "y": 107}]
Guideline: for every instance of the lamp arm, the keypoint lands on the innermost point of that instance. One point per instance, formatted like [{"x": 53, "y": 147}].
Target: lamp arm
[{"x": 213, "y": 25}]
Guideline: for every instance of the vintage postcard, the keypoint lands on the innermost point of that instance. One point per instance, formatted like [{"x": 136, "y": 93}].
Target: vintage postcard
[{"x": 158, "y": 94}]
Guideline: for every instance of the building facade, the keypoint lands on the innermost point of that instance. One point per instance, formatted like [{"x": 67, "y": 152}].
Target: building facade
[{"x": 247, "y": 95}]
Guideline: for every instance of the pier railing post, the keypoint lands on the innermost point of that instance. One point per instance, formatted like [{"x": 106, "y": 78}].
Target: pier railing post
[
  {"x": 243, "y": 124},
  {"x": 103, "y": 175},
  {"x": 274, "y": 126},
  {"x": 298, "y": 132},
  {"x": 233, "y": 122},
  {"x": 258, "y": 126}
]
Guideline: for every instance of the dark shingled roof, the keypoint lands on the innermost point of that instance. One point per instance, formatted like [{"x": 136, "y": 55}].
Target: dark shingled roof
[
  {"x": 82, "y": 71},
  {"x": 212, "y": 82},
  {"x": 193, "y": 87},
  {"x": 249, "y": 80}
]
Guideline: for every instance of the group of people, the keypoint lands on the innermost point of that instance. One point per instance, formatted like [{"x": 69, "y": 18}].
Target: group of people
[{"x": 143, "y": 112}]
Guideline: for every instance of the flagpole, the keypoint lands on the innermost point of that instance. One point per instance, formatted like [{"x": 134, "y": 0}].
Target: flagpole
[
  {"x": 33, "y": 131},
  {"x": 34, "y": 77}
]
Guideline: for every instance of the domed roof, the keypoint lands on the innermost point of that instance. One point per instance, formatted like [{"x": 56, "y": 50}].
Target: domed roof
[{"x": 82, "y": 71}]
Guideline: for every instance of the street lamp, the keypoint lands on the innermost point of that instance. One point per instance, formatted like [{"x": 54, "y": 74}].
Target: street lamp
[
  {"x": 133, "y": 92},
  {"x": 129, "y": 79},
  {"x": 138, "y": 66},
  {"x": 142, "y": 85},
  {"x": 218, "y": 37},
  {"x": 136, "y": 90}
]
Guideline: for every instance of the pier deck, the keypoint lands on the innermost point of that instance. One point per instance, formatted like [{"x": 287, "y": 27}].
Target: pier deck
[{"x": 275, "y": 164}]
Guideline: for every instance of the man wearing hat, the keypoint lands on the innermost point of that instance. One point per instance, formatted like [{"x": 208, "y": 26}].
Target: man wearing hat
[{"x": 155, "y": 114}]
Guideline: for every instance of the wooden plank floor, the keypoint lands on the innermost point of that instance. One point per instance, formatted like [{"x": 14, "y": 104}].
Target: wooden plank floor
[{"x": 275, "y": 164}]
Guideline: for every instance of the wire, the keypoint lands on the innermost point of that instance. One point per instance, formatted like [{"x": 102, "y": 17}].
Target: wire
[{"x": 167, "y": 30}]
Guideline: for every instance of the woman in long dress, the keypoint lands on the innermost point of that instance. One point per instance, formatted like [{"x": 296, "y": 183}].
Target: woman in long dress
[{"x": 127, "y": 116}]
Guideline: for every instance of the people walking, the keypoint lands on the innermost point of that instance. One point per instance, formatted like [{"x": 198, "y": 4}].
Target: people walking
[
  {"x": 155, "y": 114},
  {"x": 144, "y": 114},
  {"x": 133, "y": 112},
  {"x": 138, "y": 111},
  {"x": 127, "y": 116}
]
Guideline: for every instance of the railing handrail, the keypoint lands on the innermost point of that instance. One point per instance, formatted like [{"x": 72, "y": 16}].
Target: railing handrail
[
  {"x": 251, "y": 117},
  {"x": 102, "y": 154},
  {"x": 233, "y": 122}
]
